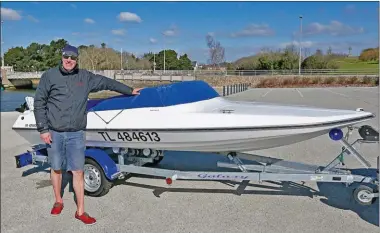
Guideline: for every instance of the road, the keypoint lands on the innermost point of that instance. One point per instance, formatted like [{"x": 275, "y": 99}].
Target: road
[{"x": 142, "y": 204}]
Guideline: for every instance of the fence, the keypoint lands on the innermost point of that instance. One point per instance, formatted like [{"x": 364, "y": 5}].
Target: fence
[
  {"x": 184, "y": 75},
  {"x": 198, "y": 73},
  {"x": 149, "y": 75},
  {"x": 368, "y": 71}
]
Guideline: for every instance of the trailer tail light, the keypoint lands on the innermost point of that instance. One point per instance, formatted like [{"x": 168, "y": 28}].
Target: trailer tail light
[{"x": 169, "y": 181}]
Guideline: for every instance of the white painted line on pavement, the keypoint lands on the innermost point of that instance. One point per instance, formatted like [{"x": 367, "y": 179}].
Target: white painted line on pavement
[
  {"x": 371, "y": 90},
  {"x": 299, "y": 92},
  {"x": 349, "y": 97},
  {"x": 337, "y": 93},
  {"x": 266, "y": 93}
]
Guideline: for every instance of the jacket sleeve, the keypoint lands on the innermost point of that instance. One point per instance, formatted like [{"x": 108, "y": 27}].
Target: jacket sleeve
[
  {"x": 98, "y": 83},
  {"x": 40, "y": 102}
]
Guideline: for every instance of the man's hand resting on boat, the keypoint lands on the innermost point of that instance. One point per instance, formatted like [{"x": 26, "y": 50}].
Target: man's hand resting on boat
[
  {"x": 46, "y": 137},
  {"x": 136, "y": 91}
]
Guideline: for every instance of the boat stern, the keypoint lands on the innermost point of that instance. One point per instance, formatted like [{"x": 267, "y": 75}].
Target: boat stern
[{"x": 25, "y": 127}]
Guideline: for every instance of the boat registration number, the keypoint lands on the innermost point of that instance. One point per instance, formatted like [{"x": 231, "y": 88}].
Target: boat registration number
[{"x": 131, "y": 136}]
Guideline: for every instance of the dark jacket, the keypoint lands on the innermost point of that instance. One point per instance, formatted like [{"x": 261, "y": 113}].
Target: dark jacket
[{"x": 61, "y": 98}]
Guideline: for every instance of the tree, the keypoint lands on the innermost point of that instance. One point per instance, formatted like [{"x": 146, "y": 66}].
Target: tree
[
  {"x": 171, "y": 61},
  {"x": 370, "y": 54},
  {"x": 289, "y": 58},
  {"x": 54, "y": 52},
  {"x": 184, "y": 63},
  {"x": 15, "y": 57},
  {"x": 40, "y": 57},
  {"x": 35, "y": 57},
  {"x": 216, "y": 51},
  {"x": 318, "y": 61}
]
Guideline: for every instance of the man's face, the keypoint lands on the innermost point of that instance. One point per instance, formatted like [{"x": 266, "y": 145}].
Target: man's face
[{"x": 69, "y": 62}]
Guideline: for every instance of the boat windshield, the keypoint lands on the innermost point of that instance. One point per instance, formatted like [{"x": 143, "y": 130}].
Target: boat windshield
[{"x": 160, "y": 96}]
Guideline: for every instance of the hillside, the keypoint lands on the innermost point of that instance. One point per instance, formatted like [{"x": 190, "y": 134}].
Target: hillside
[
  {"x": 354, "y": 63},
  {"x": 337, "y": 62}
]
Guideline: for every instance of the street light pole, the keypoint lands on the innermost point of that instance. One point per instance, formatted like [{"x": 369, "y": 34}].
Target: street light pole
[
  {"x": 1, "y": 51},
  {"x": 163, "y": 35},
  {"x": 154, "y": 62},
  {"x": 164, "y": 55},
  {"x": 121, "y": 59},
  {"x": 300, "y": 45}
]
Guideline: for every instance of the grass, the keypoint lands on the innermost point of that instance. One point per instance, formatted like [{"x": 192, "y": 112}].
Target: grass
[{"x": 353, "y": 63}]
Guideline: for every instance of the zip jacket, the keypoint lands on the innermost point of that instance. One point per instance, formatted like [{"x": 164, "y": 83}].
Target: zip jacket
[{"x": 61, "y": 98}]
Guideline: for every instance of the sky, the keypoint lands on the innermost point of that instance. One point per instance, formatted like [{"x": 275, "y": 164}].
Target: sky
[{"x": 242, "y": 28}]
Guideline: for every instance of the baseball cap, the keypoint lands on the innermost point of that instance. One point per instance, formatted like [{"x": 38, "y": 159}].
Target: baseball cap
[{"x": 70, "y": 50}]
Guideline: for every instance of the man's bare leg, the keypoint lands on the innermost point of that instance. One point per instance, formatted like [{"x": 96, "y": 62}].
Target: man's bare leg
[
  {"x": 75, "y": 148},
  {"x": 78, "y": 183},
  {"x": 56, "y": 180}
]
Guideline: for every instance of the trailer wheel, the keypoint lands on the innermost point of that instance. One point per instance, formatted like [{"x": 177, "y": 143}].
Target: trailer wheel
[
  {"x": 96, "y": 183},
  {"x": 361, "y": 195}
]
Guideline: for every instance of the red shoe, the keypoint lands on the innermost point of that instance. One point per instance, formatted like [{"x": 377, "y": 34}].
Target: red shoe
[
  {"x": 57, "y": 209},
  {"x": 85, "y": 218}
]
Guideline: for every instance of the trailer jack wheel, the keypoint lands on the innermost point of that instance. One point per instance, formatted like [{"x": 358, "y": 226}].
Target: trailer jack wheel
[
  {"x": 364, "y": 195},
  {"x": 95, "y": 182}
]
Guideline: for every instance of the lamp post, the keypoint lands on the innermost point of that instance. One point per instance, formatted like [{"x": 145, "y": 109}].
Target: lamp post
[
  {"x": 1, "y": 46},
  {"x": 154, "y": 62},
  {"x": 299, "y": 62},
  {"x": 164, "y": 57},
  {"x": 121, "y": 59},
  {"x": 163, "y": 35}
]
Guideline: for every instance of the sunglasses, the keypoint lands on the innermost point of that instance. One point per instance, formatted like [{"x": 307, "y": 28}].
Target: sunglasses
[{"x": 72, "y": 57}]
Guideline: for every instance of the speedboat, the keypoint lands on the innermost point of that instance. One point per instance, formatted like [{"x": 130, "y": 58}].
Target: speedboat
[
  {"x": 192, "y": 116},
  {"x": 125, "y": 133}
]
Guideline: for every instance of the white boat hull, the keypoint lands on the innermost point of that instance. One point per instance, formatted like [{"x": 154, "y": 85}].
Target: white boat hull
[
  {"x": 215, "y": 141},
  {"x": 207, "y": 126}
]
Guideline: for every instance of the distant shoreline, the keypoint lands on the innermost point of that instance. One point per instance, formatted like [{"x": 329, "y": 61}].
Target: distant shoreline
[
  {"x": 267, "y": 81},
  {"x": 255, "y": 82}
]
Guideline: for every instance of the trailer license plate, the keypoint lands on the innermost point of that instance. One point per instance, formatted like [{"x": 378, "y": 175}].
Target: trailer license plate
[{"x": 130, "y": 136}]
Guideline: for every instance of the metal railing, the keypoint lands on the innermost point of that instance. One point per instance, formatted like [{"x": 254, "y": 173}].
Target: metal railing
[
  {"x": 189, "y": 74},
  {"x": 368, "y": 71}
]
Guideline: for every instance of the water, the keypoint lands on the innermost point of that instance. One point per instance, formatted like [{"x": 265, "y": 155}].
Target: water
[{"x": 12, "y": 99}]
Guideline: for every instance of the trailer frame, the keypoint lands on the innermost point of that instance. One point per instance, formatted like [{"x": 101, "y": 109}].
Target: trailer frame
[{"x": 105, "y": 165}]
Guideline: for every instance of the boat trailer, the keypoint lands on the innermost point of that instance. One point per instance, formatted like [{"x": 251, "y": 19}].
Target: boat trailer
[{"x": 105, "y": 165}]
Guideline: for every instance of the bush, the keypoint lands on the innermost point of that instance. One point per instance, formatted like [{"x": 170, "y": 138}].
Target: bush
[
  {"x": 370, "y": 54},
  {"x": 319, "y": 62},
  {"x": 294, "y": 81}
]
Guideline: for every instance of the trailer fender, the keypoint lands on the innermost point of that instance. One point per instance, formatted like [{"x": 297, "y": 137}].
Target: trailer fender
[{"x": 104, "y": 160}]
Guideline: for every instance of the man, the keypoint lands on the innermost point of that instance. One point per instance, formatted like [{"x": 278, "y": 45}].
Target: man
[{"x": 60, "y": 112}]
